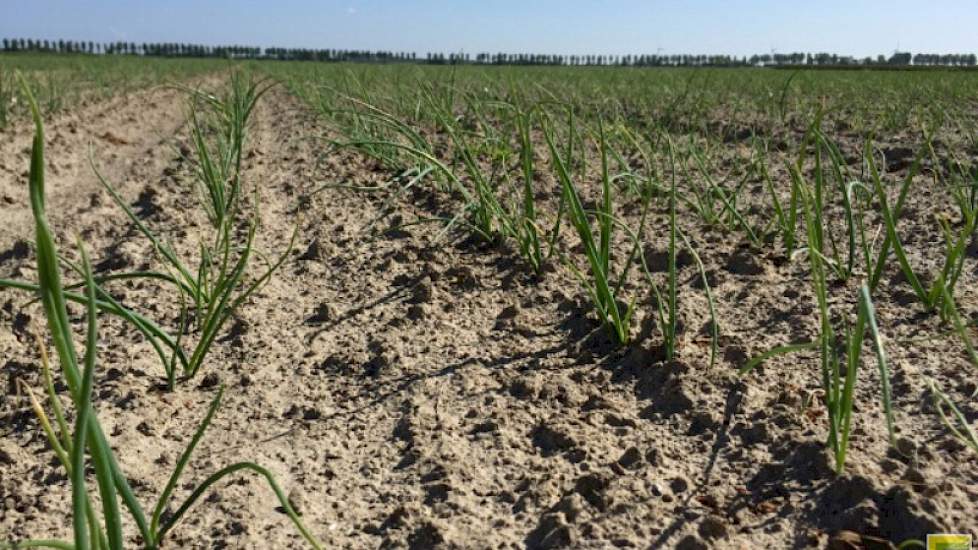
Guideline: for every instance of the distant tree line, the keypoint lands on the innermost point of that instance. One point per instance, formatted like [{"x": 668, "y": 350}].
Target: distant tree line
[{"x": 170, "y": 49}]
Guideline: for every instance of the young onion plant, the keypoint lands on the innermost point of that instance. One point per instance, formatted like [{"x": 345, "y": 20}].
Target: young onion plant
[
  {"x": 830, "y": 182},
  {"x": 715, "y": 203},
  {"x": 219, "y": 128},
  {"x": 839, "y": 365},
  {"x": 601, "y": 284},
  {"x": 785, "y": 212},
  {"x": 939, "y": 294},
  {"x": 606, "y": 288},
  {"x": 527, "y": 232},
  {"x": 82, "y": 446}
]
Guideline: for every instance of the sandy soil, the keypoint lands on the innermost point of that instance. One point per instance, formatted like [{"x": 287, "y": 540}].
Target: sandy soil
[{"x": 409, "y": 393}]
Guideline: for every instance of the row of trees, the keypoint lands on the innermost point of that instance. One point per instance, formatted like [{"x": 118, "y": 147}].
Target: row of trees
[
  {"x": 898, "y": 59},
  {"x": 954, "y": 60},
  {"x": 330, "y": 55}
]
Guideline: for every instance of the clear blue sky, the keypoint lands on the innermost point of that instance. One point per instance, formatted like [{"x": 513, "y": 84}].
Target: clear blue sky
[{"x": 739, "y": 27}]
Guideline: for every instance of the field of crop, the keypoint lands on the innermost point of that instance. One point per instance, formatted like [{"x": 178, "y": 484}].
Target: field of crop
[{"x": 286, "y": 304}]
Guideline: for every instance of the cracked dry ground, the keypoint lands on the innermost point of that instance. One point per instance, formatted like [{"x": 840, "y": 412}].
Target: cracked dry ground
[{"x": 422, "y": 394}]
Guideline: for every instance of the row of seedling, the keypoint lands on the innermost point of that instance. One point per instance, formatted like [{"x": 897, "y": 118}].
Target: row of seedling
[
  {"x": 492, "y": 155},
  {"x": 212, "y": 285},
  {"x": 213, "y": 289},
  {"x": 100, "y": 492}
]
